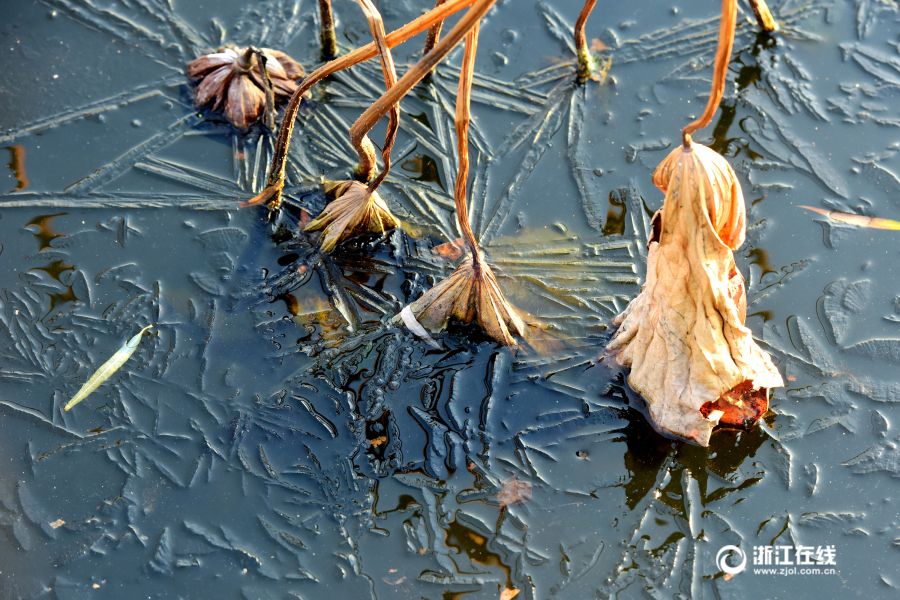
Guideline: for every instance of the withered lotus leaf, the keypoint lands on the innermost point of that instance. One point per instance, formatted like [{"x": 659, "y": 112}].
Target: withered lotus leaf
[
  {"x": 691, "y": 357},
  {"x": 355, "y": 209},
  {"x": 470, "y": 294},
  {"x": 231, "y": 80}
]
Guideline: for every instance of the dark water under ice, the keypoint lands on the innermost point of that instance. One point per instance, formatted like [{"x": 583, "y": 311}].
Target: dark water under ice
[{"x": 275, "y": 439}]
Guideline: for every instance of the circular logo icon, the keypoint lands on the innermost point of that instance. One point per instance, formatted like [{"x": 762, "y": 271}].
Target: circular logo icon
[{"x": 731, "y": 567}]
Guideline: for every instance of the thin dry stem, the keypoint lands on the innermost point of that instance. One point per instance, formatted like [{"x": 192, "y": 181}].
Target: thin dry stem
[
  {"x": 434, "y": 35},
  {"x": 269, "y": 119},
  {"x": 585, "y": 60},
  {"x": 462, "y": 119},
  {"x": 327, "y": 35},
  {"x": 764, "y": 16},
  {"x": 271, "y": 195},
  {"x": 720, "y": 70}
]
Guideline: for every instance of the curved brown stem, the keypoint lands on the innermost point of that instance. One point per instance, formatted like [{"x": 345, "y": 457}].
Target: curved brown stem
[
  {"x": 585, "y": 60},
  {"x": 763, "y": 16},
  {"x": 463, "y": 112},
  {"x": 720, "y": 70},
  {"x": 275, "y": 181},
  {"x": 327, "y": 35},
  {"x": 358, "y": 132}
]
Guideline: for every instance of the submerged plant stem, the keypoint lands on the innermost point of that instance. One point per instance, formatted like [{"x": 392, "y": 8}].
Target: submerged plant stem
[
  {"x": 855, "y": 220},
  {"x": 720, "y": 71},
  {"x": 764, "y": 16},
  {"x": 434, "y": 35},
  {"x": 327, "y": 34},
  {"x": 585, "y": 60}
]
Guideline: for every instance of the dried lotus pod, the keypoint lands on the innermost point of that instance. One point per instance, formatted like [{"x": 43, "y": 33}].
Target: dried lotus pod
[
  {"x": 355, "y": 209},
  {"x": 232, "y": 80},
  {"x": 692, "y": 358},
  {"x": 470, "y": 295}
]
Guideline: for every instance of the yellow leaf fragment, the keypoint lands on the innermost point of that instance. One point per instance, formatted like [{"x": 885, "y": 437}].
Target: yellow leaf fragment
[
  {"x": 452, "y": 250},
  {"x": 354, "y": 210},
  {"x": 855, "y": 220},
  {"x": 107, "y": 369},
  {"x": 692, "y": 358}
]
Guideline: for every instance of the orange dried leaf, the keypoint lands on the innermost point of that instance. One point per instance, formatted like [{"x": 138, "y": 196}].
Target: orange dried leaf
[
  {"x": 692, "y": 358},
  {"x": 450, "y": 250},
  {"x": 509, "y": 593},
  {"x": 856, "y": 220},
  {"x": 378, "y": 441}
]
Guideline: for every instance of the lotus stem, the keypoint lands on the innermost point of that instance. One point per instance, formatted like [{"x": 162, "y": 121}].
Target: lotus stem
[
  {"x": 434, "y": 35},
  {"x": 720, "y": 71},
  {"x": 271, "y": 195},
  {"x": 327, "y": 35},
  {"x": 585, "y": 60},
  {"x": 269, "y": 118},
  {"x": 462, "y": 119},
  {"x": 764, "y": 16},
  {"x": 359, "y": 131}
]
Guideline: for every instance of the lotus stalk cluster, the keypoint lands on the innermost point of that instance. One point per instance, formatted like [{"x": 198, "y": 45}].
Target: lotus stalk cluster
[{"x": 683, "y": 337}]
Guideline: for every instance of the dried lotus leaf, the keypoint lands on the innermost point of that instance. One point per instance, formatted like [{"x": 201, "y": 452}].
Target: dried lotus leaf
[{"x": 691, "y": 357}]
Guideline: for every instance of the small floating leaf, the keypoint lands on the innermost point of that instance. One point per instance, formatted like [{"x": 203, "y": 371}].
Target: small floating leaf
[
  {"x": 855, "y": 220},
  {"x": 112, "y": 365}
]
